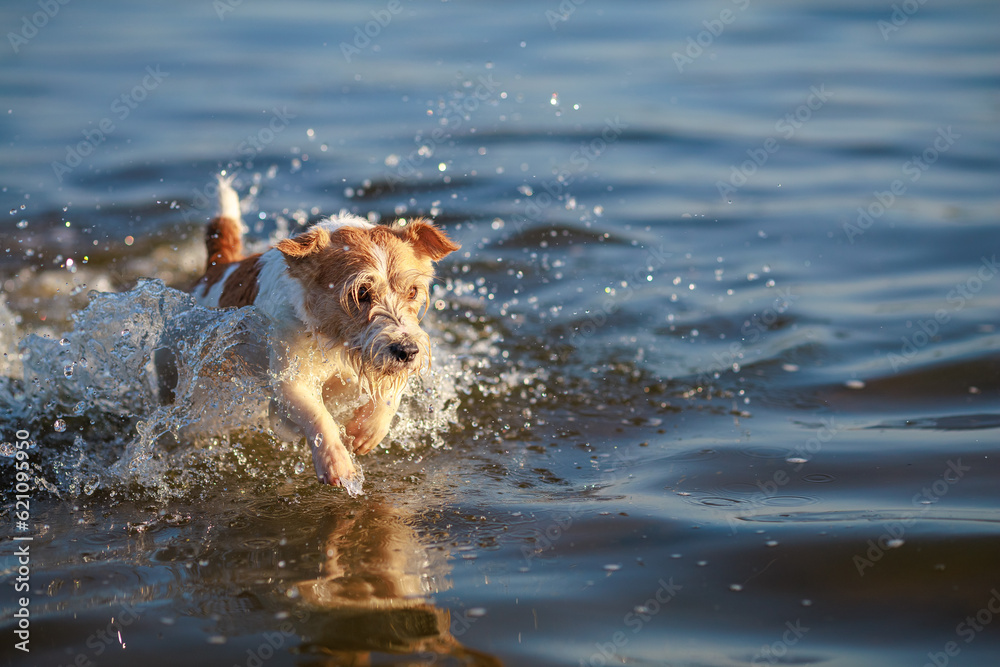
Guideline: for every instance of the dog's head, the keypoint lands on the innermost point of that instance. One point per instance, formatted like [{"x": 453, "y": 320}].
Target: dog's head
[{"x": 365, "y": 289}]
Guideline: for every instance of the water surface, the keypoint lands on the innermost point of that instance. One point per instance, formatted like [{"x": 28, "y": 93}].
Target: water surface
[{"x": 717, "y": 367}]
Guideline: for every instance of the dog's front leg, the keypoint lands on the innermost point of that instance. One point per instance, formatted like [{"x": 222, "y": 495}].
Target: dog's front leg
[
  {"x": 370, "y": 423},
  {"x": 305, "y": 408}
]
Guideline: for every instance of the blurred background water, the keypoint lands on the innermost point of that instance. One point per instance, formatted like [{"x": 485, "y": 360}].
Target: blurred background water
[{"x": 718, "y": 363}]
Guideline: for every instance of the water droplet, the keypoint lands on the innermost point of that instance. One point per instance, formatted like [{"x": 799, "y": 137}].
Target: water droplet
[
  {"x": 895, "y": 544},
  {"x": 64, "y": 341},
  {"x": 92, "y": 485},
  {"x": 59, "y": 425},
  {"x": 79, "y": 408},
  {"x": 300, "y": 468},
  {"x": 126, "y": 333},
  {"x": 68, "y": 371},
  {"x": 736, "y": 587},
  {"x": 612, "y": 567}
]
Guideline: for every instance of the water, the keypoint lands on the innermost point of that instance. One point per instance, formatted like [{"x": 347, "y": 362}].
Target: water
[{"x": 716, "y": 370}]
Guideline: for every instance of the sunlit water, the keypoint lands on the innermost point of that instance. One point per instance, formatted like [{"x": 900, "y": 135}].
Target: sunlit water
[{"x": 716, "y": 371}]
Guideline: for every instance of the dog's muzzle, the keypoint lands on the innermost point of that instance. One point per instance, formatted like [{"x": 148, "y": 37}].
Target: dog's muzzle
[{"x": 404, "y": 352}]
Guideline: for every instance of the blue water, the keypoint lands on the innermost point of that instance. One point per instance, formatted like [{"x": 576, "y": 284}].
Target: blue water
[{"x": 719, "y": 368}]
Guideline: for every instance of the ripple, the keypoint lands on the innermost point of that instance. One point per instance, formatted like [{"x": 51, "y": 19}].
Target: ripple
[
  {"x": 766, "y": 452},
  {"x": 260, "y": 542},
  {"x": 719, "y": 501},
  {"x": 853, "y": 516},
  {"x": 788, "y": 501},
  {"x": 694, "y": 455},
  {"x": 947, "y": 423}
]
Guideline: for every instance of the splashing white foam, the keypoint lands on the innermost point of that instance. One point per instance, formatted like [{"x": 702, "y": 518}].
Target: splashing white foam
[{"x": 165, "y": 394}]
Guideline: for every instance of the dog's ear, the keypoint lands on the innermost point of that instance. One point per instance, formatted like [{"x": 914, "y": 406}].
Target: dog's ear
[
  {"x": 426, "y": 239},
  {"x": 305, "y": 243}
]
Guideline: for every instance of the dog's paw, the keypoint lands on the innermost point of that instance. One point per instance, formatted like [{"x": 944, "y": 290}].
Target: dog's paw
[
  {"x": 365, "y": 434},
  {"x": 334, "y": 466}
]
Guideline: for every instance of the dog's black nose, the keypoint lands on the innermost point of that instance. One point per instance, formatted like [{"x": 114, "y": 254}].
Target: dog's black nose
[{"x": 404, "y": 352}]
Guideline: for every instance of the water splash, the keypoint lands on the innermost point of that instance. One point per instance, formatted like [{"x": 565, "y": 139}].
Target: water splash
[
  {"x": 166, "y": 397},
  {"x": 115, "y": 410}
]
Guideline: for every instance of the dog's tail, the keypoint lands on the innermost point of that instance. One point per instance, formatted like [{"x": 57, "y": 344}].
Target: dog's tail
[{"x": 224, "y": 236}]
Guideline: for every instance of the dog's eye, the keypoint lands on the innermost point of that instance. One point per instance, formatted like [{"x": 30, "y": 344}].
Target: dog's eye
[
  {"x": 414, "y": 292},
  {"x": 364, "y": 295}
]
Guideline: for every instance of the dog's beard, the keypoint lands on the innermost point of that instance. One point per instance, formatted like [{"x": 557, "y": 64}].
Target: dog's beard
[{"x": 380, "y": 374}]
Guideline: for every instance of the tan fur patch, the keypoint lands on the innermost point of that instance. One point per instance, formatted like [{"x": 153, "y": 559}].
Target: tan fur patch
[
  {"x": 224, "y": 241},
  {"x": 426, "y": 239},
  {"x": 366, "y": 286},
  {"x": 241, "y": 285}
]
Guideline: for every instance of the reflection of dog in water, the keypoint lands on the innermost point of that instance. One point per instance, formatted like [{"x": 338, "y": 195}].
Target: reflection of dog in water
[
  {"x": 343, "y": 300},
  {"x": 373, "y": 593}
]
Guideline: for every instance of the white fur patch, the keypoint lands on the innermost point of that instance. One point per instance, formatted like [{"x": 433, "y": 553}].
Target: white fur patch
[
  {"x": 280, "y": 296},
  {"x": 229, "y": 201},
  {"x": 210, "y": 299},
  {"x": 381, "y": 259},
  {"x": 343, "y": 219}
]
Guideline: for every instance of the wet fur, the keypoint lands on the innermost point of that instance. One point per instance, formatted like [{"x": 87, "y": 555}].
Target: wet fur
[{"x": 345, "y": 299}]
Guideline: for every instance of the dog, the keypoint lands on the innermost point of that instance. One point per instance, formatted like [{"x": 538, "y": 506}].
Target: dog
[{"x": 344, "y": 300}]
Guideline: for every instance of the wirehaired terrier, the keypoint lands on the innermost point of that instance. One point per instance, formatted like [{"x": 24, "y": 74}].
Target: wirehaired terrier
[{"x": 344, "y": 299}]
